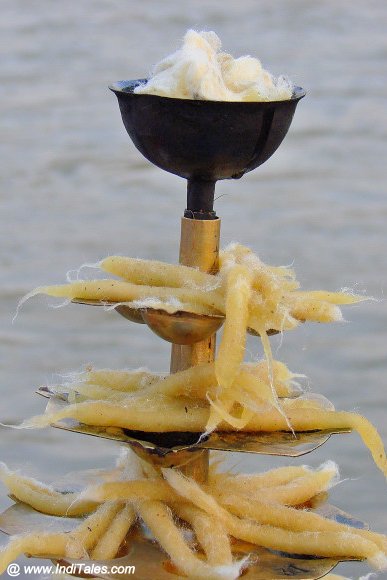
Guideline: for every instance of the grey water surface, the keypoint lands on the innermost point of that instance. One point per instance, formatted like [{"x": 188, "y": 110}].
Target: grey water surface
[{"x": 75, "y": 189}]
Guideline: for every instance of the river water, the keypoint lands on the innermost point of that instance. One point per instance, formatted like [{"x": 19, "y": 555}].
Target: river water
[{"x": 74, "y": 189}]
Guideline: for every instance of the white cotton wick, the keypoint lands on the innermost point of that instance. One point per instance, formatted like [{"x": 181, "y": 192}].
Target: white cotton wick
[{"x": 199, "y": 70}]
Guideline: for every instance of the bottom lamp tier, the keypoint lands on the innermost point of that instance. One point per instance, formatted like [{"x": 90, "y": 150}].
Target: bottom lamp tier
[
  {"x": 162, "y": 524},
  {"x": 141, "y": 556}
]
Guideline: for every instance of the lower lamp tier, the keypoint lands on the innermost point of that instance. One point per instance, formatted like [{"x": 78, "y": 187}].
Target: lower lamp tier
[{"x": 139, "y": 550}]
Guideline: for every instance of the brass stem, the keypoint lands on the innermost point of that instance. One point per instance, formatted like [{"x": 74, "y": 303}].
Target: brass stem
[{"x": 199, "y": 248}]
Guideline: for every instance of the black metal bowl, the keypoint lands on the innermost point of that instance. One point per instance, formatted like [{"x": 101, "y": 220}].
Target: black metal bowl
[{"x": 204, "y": 141}]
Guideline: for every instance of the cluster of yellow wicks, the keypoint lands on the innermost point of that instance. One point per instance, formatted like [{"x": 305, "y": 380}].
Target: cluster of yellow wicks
[
  {"x": 229, "y": 394},
  {"x": 226, "y": 395},
  {"x": 268, "y": 509}
]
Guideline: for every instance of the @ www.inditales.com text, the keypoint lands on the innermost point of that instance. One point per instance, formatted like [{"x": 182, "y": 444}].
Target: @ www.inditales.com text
[{"x": 89, "y": 568}]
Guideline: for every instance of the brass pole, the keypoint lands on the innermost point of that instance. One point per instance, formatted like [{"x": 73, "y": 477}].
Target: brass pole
[{"x": 199, "y": 248}]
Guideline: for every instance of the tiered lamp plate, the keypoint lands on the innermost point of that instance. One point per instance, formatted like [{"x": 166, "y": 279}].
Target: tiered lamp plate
[
  {"x": 178, "y": 327},
  {"x": 139, "y": 549},
  {"x": 172, "y": 448}
]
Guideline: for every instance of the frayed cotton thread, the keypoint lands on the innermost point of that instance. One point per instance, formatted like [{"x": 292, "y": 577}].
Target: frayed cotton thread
[
  {"x": 204, "y": 288},
  {"x": 379, "y": 561},
  {"x": 33, "y": 293},
  {"x": 130, "y": 464},
  {"x": 352, "y": 292},
  {"x": 77, "y": 271},
  {"x": 23, "y": 425},
  {"x": 232, "y": 571},
  {"x": 73, "y": 376},
  {"x": 22, "y": 301},
  {"x": 329, "y": 466},
  {"x": 322, "y": 401},
  {"x": 269, "y": 359},
  {"x": 69, "y": 279}
]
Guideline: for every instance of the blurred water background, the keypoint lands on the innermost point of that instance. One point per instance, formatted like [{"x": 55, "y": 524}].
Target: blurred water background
[{"x": 74, "y": 189}]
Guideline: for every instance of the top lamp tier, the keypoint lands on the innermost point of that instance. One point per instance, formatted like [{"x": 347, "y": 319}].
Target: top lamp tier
[{"x": 204, "y": 141}]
